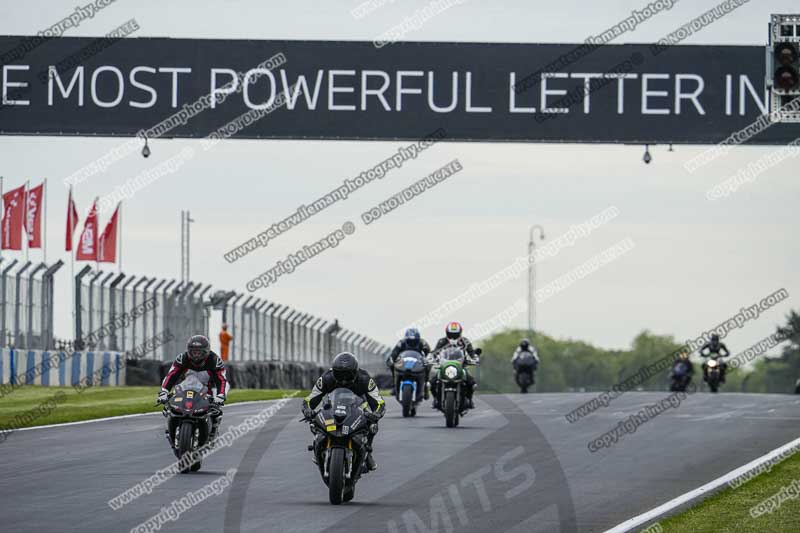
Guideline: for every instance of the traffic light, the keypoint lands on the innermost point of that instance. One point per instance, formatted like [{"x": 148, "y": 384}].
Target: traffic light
[{"x": 783, "y": 67}]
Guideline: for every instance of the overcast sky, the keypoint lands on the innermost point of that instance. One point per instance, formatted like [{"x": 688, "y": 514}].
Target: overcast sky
[{"x": 694, "y": 264}]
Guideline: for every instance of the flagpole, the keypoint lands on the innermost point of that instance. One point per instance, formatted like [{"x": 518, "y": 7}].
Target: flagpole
[
  {"x": 44, "y": 214},
  {"x": 119, "y": 234},
  {"x": 25, "y": 219},
  {"x": 96, "y": 229},
  {"x": 71, "y": 230}
]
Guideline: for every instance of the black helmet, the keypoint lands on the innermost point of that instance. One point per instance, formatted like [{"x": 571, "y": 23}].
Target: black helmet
[
  {"x": 198, "y": 349},
  {"x": 714, "y": 338},
  {"x": 524, "y": 344},
  {"x": 345, "y": 368},
  {"x": 412, "y": 337}
]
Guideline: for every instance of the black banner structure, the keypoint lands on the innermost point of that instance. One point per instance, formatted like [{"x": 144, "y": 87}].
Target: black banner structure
[{"x": 633, "y": 93}]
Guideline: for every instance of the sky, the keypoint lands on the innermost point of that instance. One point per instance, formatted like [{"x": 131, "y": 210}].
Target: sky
[{"x": 694, "y": 262}]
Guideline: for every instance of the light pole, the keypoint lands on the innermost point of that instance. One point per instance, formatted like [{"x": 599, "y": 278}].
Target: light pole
[
  {"x": 185, "y": 245},
  {"x": 532, "y": 275}
]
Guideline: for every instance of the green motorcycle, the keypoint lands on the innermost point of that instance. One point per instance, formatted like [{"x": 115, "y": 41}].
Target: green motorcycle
[{"x": 452, "y": 377}]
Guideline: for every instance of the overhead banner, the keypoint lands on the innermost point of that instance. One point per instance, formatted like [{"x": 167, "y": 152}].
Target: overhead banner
[{"x": 160, "y": 87}]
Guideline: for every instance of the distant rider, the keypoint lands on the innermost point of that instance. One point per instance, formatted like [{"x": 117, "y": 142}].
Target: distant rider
[
  {"x": 683, "y": 357},
  {"x": 344, "y": 372},
  {"x": 524, "y": 346},
  {"x": 715, "y": 347},
  {"x": 453, "y": 337},
  {"x": 199, "y": 357},
  {"x": 411, "y": 341}
]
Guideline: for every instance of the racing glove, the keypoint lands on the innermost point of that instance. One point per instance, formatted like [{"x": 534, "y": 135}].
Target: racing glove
[
  {"x": 218, "y": 400},
  {"x": 163, "y": 396}
]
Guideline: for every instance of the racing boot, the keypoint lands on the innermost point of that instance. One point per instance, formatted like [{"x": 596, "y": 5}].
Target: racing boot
[
  {"x": 214, "y": 428},
  {"x": 369, "y": 460}
]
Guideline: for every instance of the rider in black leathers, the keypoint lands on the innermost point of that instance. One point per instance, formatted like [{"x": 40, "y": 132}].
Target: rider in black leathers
[
  {"x": 715, "y": 347},
  {"x": 410, "y": 341},
  {"x": 344, "y": 372}
]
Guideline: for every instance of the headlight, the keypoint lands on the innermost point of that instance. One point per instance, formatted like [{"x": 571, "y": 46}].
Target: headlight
[
  {"x": 450, "y": 372},
  {"x": 712, "y": 363}
]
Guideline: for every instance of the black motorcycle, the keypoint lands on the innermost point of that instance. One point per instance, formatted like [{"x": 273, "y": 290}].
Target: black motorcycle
[
  {"x": 340, "y": 443},
  {"x": 713, "y": 371},
  {"x": 525, "y": 365},
  {"x": 188, "y": 413},
  {"x": 679, "y": 377},
  {"x": 409, "y": 381}
]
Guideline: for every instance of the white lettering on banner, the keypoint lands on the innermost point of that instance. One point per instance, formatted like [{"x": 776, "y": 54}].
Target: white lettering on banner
[
  {"x": 31, "y": 214},
  {"x": 87, "y": 240},
  {"x": 109, "y": 87},
  {"x": 361, "y": 90}
]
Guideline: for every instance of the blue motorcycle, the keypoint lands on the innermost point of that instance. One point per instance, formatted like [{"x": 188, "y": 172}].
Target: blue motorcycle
[{"x": 409, "y": 380}]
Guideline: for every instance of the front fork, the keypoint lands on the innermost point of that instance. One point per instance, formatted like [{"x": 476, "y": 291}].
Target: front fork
[
  {"x": 349, "y": 458},
  {"x": 451, "y": 386}
]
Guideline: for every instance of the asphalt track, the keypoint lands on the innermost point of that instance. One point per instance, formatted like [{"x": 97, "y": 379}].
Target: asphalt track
[{"x": 513, "y": 465}]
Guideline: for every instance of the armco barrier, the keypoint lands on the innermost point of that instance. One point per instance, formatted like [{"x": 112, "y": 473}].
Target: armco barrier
[
  {"x": 243, "y": 374},
  {"x": 36, "y": 367}
]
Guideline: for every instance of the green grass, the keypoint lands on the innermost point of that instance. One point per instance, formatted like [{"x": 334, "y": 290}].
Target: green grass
[
  {"x": 729, "y": 510},
  {"x": 99, "y": 402}
]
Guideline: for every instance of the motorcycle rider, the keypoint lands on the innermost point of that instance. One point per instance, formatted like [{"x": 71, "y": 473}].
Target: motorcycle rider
[
  {"x": 411, "y": 341},
  {"x": 714, "y": 346},
  {"x": 199, "y": 357},
  {"x": 683, "y": 357},
  {"x": 344, "y": 372},
  {"x": 453, "y": 337},
  {"x": 524, "y": 346}
]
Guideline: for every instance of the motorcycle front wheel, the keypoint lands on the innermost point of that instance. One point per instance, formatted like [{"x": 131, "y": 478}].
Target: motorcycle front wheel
[
  {"x": 336, "y": 476},
  {"x": 185, "y": 437},
  {"x": 407, "y": 400},
  {"x": 450, "y": 411}
]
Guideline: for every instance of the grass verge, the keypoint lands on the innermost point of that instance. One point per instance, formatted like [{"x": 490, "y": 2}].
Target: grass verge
[
  {"x": 729, "y": 510},
  {"x": 66, "y": 404}
]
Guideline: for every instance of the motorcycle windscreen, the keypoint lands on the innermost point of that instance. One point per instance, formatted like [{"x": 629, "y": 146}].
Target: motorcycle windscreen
[
  {"x": 453, "y": 354},
  {"x": 193, "y": 382}
]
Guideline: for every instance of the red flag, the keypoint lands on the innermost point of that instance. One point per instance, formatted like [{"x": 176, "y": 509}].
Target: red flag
[
  {"x": 33, "y": 216},
  {"x": 87, "y": 245},
  {"x": 72, "y": 220},
  {"x": 108, "y": 240},
  {"x": 13, "y": 217}
]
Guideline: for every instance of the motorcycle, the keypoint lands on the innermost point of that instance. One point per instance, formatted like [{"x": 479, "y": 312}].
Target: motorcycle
[
  {"x": 188, "y": 413},
  {"x": 525, "y": 365},
  {"x": 341, "y": 433},
  {"x": 451, "y": 377},
  {"x": 409, "y": 372},
  {"x": 679, "y": 377},
  {"x": 713, "y": 373}
]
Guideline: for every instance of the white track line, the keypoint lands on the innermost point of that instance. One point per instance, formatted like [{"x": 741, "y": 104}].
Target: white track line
[
  {"x": 700, "y": 491},
  {"x": 120, "y": 417}
]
